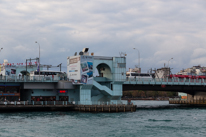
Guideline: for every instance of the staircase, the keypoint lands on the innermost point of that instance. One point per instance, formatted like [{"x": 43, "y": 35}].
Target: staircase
[
  {"x": 103, "y": 89},
  {"x": 98, "y": 97}
]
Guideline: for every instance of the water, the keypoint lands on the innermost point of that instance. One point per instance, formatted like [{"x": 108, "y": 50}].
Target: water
[{"x": 145, "y": 122}]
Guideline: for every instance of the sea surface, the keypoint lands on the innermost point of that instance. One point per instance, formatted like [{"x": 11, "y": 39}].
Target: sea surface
[{"x": 151, "y": 119}]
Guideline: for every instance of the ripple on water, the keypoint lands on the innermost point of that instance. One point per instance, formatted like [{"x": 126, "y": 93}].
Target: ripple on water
[{"x": 143, "y": 122}]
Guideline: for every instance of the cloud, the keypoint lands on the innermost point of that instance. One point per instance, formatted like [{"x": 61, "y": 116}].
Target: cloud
[{"x": 159, "y": 29}]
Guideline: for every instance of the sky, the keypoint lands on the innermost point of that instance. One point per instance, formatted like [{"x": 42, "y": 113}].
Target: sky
[{"x": 159, "y": 29}]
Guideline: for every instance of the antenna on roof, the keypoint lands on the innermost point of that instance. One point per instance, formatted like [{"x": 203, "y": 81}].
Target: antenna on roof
[{"x": 122, "y": 54}]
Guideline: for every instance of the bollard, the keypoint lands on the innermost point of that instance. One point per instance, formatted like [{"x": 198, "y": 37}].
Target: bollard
[
  {"x": 33, "y": 102},
  {"x": 24, "y": 103},
  {"x": 63, "y": 103},
  {"x": 54, "y": 102},
  {"x": 15, "y": 102}
]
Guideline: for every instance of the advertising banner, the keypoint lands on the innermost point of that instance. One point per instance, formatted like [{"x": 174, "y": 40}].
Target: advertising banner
[
  {"x": 80, "y": 69},
  {"x": 87, "y": 69},
  {"x": 73, "y": 69}
]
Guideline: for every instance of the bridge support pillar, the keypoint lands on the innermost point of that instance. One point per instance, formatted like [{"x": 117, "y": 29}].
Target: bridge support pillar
[{"x": 196, "y": 96}]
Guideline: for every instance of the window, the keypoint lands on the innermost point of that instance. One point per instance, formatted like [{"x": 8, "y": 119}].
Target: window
[
  {"x": 74, "y": 60},
  {"x": 142, "y": 75},
  {"x": 121, "y": 65}
]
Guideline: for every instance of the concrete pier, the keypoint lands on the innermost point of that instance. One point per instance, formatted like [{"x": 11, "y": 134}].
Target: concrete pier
[{"x": 69, "y": 107}]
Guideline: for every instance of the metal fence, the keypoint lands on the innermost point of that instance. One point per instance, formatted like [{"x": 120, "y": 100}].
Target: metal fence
[
  {"x": 119, "y": 102},
  {"x": 35, "y": 103},
  {"x": 31, "y": 78},
  {"x": 167, "y": 80}
]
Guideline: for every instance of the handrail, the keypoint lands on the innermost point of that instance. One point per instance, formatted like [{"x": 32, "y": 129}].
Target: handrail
[
  {"x": 36, "y": 103},
  {"x": 31, "y": 78},
  {"x": 166, "y": 81},
  {"x": 63, "y": 103}
]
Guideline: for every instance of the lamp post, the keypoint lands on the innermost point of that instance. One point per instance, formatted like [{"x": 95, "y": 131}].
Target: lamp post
[
  {"x": 168, "y": 65},
  {"x": 60, "y": 66},
  {"x": 138, "y": 60},
  {"x": 39, "y": 57},
  {"x": 168, "y": 62}
]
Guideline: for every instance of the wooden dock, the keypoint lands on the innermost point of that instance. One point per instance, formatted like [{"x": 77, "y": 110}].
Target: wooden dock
[
  {"x": 190, "y": 102},
  {"x": 105, "y": 108}
]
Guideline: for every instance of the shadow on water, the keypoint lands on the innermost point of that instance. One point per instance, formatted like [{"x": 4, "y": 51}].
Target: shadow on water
[{"x": 170, "y": 107}]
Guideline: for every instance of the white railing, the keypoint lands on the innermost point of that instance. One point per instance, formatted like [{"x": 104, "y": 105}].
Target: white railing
[
  {"x": 169, "y": 80},
  {"x": 35, "y": 103},
  {"x": 114, "y": 102},
  {"x": 31, "y": 78},
  {"x": 118, "y": 102}
]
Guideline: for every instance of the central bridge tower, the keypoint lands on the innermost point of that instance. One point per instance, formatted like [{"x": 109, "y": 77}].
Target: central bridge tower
[{"x": 98, "y": 78}]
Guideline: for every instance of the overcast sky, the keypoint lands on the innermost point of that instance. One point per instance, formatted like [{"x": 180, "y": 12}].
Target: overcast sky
[{"x": 159, "y": 29}]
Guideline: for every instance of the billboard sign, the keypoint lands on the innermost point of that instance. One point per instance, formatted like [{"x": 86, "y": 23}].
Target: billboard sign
[
  {"x": 73, "y": 69},
  {"x": 80, "y": 69}
]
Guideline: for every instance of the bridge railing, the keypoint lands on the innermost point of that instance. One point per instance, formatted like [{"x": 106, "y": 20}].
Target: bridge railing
[
  {"x": 35, "y": 103},
  {"x": 31, "y": 78},
  {"x": 119, "y": 102},
  {"x": 168, "y": 80},
  {"x": 115, "y": 102}
]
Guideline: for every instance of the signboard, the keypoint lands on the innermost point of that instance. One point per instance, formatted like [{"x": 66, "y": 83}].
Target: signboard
[
  {"x": 62, "y": 91},
  {"x": 86, "y": 69},
  {"x": 73, "y": 70},
  {"x": 80, "y": 69}
]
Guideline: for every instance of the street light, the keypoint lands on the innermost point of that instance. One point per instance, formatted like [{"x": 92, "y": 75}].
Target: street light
[
  {"x": 168, "y": 65},
  {"x": 138, "y": 60},
  {"x": 168, "y": 62},
  {"x": 39, "y": 57},
  {"x": 138, "y": 57},
  {"x": 60, "y": 66}
]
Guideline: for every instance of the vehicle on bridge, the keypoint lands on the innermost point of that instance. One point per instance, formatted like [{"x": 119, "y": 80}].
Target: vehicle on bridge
[
  {"x": 46, "y": 74},
  {"x": 135, "y": 75}
]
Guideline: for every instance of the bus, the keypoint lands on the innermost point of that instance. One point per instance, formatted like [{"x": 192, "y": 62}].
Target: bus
[
  {"x": 136, "y": 76},
  {"x": 46, "y": 75}
]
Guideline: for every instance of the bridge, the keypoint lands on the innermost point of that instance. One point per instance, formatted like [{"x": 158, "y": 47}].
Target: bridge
[{"x": 195, "y": 88}]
